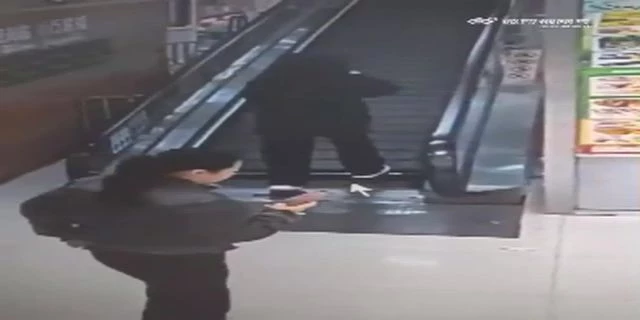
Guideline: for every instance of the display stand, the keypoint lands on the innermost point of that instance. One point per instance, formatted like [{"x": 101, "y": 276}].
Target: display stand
[
  {"x": 592, "y": 108},
  {"x": 608, "y": 100}
]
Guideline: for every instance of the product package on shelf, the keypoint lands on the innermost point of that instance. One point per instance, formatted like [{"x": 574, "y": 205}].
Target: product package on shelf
[
  {"x": 591, "y": 7},
  {"x": 613, "y": 108}
]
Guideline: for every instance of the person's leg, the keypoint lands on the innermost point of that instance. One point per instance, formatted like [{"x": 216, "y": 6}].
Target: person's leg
[
  {"x": 359, "y": 155},
  {"x": 195, "y": 285},
  {"x": 178, "y": 287},
  {"x": 288, "y": 162}
]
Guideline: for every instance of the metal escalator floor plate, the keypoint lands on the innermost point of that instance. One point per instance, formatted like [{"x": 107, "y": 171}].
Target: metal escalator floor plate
[
  {"x": 455, "y": 221},
  {"x": 398, "y": 212},
  {"x": 420, "y": 45}
]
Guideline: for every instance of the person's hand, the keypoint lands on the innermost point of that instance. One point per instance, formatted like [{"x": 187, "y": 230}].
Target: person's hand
[
  {"x": 76, "y": 243},
  {"x": 297, "y": 209}
]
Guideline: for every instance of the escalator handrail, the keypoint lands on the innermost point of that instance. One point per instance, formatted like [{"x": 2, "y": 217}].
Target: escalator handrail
[
  {"x": 189, "y": 71},
  {"x": 211, "y": 114},
  {"x": 305, "y": 33},
  {"x": 102, "y": 164},
  {"x": 226, "y": 101},
  {"x": 441, "y": 151}
]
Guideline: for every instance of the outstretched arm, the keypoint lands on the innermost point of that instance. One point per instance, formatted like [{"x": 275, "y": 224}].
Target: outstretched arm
[{"x": 264, "y": 224}]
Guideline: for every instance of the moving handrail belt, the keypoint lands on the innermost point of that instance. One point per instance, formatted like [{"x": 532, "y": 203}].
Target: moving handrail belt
[
  {"x": 223, "y": 103},
  {"x": 185, "y": 83},
  {"x": 442, "y": 160},
  {"x": 150, "y": 123}
]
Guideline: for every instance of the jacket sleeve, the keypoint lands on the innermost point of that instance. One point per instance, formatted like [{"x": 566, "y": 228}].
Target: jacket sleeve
[
  {"x": 231, "y": 221},
  {"x": 263, "y": 225}
]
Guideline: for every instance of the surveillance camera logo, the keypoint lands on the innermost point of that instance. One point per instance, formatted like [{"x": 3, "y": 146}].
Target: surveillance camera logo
[{"x": 481, "y": 20}]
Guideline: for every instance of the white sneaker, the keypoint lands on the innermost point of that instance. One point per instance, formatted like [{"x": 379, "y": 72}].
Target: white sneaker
[{"x": 385, "y": 169}]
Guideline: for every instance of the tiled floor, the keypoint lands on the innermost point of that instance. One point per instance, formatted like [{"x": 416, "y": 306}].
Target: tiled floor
[{"x": 562, "y": 268}]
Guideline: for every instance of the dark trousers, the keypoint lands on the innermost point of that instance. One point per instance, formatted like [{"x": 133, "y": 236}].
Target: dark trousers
[
  {"x": 189, "y": 287},
  {"x": 288, "y": 159}
]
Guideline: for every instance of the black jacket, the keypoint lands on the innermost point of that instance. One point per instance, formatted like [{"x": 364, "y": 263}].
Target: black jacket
[
  {"x": 313, "y": 95},
  {"x": 180, "y": 217}
]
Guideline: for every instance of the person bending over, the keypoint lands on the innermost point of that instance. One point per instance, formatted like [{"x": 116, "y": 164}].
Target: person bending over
[{"x": 302, "y": 97}]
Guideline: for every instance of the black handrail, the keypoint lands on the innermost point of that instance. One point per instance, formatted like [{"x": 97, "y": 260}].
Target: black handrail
[
  {"x": 442, "y": 163},
  {"x": 191, "y": 79},
  {"x": 94, "y": 162}
]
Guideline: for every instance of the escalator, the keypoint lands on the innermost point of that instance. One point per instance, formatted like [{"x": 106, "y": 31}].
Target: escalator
[
  {"x": 430, "y": 50},
  {"x": 425, "y": 48},
  {"x": 421, "y": 46}
]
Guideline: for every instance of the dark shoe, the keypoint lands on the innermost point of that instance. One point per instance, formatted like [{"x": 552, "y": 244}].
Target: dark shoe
[{"x": 279, "y": 193}]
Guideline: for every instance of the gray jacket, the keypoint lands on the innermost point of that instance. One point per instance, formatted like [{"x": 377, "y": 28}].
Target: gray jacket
[{"x": 181, "y": 217}]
